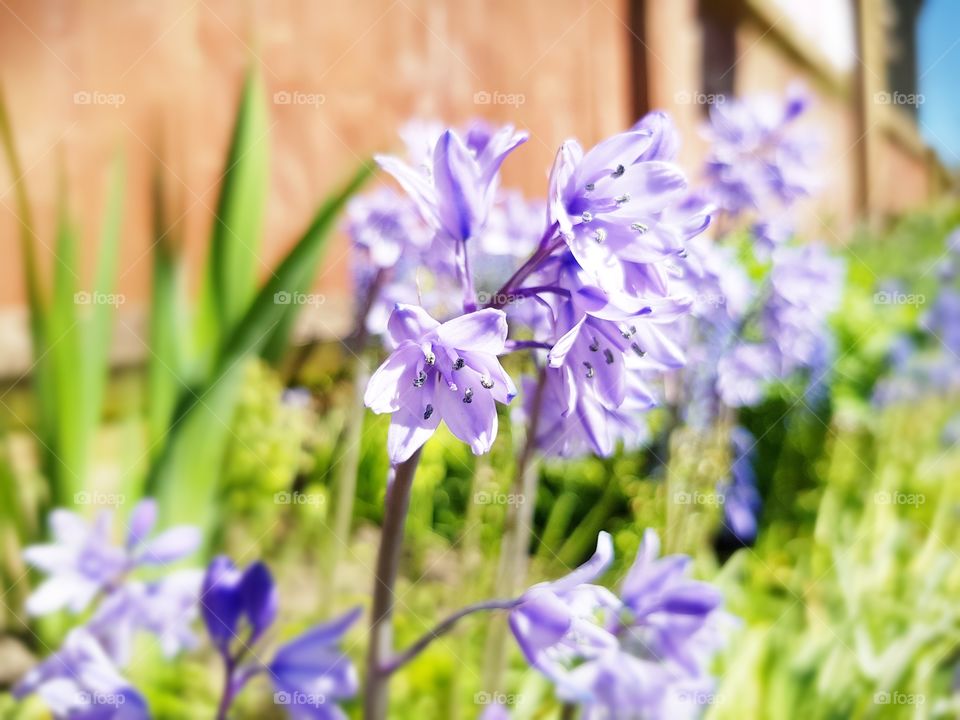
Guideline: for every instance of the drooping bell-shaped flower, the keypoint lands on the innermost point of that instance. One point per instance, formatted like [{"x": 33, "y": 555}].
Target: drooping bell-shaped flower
[
  {"x": 234, "y": 602},
  {"x": 608, "y": 203},
  {"x": 310, "y": 674},
  {"x": 313, "y": 667},
  {"x": 556, "y": 622},
  {"x": 455, "y": 194},
  {"x": 668, "y": 613},
  {"x": 83, "y": 561},
  {"x": 441, "y": 371},
  {"x": 759, "y": 159},
  {"x": 80, "y": 682}
]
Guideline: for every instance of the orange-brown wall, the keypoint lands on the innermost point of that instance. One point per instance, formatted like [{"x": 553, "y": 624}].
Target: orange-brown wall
[{"x": 179, "y": 63}]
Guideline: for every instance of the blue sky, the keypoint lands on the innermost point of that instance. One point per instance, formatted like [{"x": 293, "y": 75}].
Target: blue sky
[{"x": 938, "y": 67}]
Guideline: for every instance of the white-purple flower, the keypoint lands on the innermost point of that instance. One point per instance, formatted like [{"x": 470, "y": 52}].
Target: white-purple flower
[
  {"x": 164, "y": 608},
  {"x": 806, "y": 284},
  {"x": 558, "y": 623},
  {"x": 644, "y": 653},
  {"x": 80, "y": 682},
  {"x": 454, "y": 194},
  {"x": 82, "y": 560},
  {"x": 608, "y": 203},
  {"x": 441, "y": 371},
  {"x": 758, "y": 160},
  {"x": 575, "y": 421}
]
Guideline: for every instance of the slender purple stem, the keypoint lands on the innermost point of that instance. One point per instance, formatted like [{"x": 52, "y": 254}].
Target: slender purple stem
[
  {"x": 376, "y": 697},
  {"x": 544, "y": 250},
  {"x": 469, "y": 294},
  {"x": 442, "y": 628},
  {"x": 229, "y": 689}
]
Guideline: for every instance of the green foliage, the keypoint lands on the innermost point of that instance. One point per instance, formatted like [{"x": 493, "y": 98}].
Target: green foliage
[{"x": 70, "y": 329}]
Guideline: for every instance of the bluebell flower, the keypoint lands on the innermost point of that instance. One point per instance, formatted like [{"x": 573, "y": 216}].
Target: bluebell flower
[
  {"x": 608, "y": 203},
  {"x": 576, "y": 422},
  {"x": 806, "y": 286},
  {"x": 645, "y": 651},
  {"x": 164, "y": 608},
  {"x": 744, "y": 373},
  {"x": 456, "y": 192},
  {"x": 447, "y": 371},
  {"x": 309, "y": 673},
  {"x": 759, "y": 160},
  {"x": 667, "y": 610},
  {"x": 80, "y": 682},
  {"x": 555, "y": 623},
  {"x": 312, "y": 667},
  {"x": 82, "y": 562},
  {"x": 383, "y": 225},
  {"x": 230, "y": 597}
]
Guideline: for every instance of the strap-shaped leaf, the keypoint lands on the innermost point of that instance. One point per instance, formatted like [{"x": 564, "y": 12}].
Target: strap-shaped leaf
[
  {"x": 185, "y": 476},
  {"x": 238, "y": 225}
]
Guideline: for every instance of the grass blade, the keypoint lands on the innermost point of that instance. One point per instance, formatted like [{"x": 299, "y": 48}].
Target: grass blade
[
  {"x": 94, "y": 360},
  {"x": 238, "y": 225},
  {"x": 42, "y": 372},
  {"x": 64, "y": 348},
  {"x": 166, "y": 363}
]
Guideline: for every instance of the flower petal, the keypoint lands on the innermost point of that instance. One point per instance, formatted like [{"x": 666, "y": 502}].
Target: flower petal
[
  {"x": 142, "y": 519},
  {"x": 170, "y": 545},
  {"x": 413, "y": 424},
  {"x": 592, "y": 569},
  {"x": 482, "y": 331},
  {"x": 258, "y": 595},
  {"x": 473, "y": 422},
  {"x": 409, "y": 323},
  {"x": 220, "y": 602},
  {"x": 459, "y": 194},
  {"x": 385, "y": 389}
]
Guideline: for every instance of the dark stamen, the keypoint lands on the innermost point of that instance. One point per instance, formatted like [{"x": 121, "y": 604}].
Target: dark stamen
[
  {"x": 468, "y": 395},
  {"x": 590, "y": 370},
  {"x": 420, "y": 379},
  {"x": 636, "y": 348},
  {"x": 427, "y": 412},
  {"x": 618, "y": 172},
  {"x": 608, "y": 356},
  {"x": 595, "y": 345},
  {"x": 458, "y": 364},
  {"x": 486, "y": 382}
]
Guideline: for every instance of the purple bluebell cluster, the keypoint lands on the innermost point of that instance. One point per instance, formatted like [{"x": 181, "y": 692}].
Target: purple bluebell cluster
[
  {"x": 597, "y": 297},
  {"x": 84, "y": 568},
  {"x": 646, "y": 647},
  {"x": 759, "y": 164},
  {"x": 755, "y": 328},
  {"x": 309, "y": 674}
]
